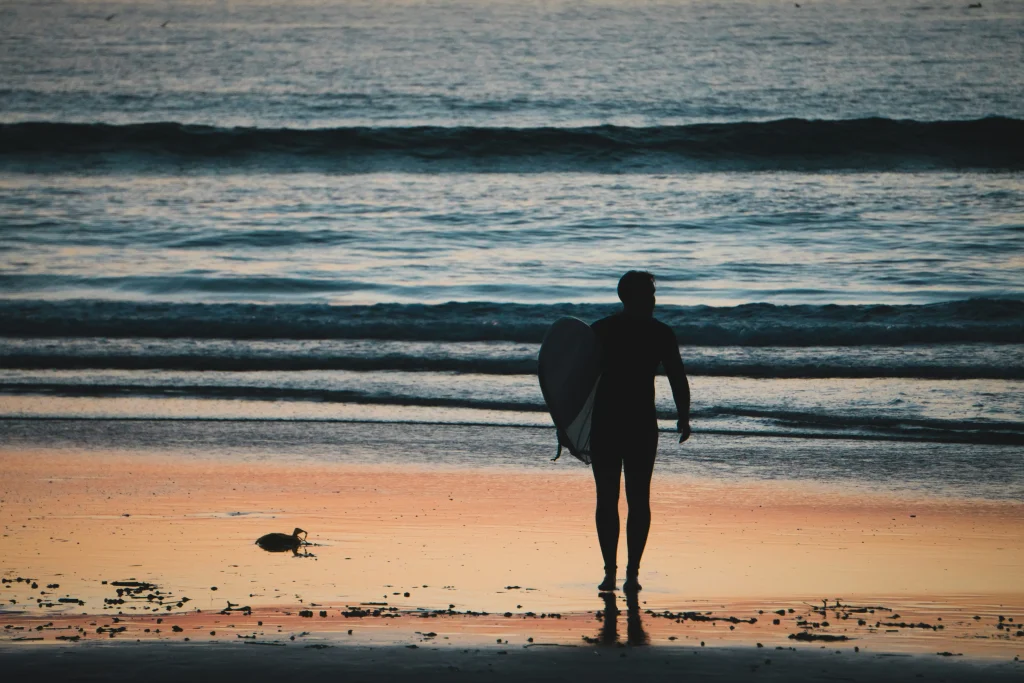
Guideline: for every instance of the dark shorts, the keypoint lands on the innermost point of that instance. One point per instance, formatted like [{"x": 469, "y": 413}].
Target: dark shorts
[{"x": 632, "y": 451}]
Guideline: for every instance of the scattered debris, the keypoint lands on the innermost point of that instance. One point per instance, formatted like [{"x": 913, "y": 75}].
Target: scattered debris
[{"x": 824, "y": 637}]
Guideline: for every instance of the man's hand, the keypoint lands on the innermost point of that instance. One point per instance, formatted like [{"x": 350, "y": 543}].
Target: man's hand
[{"x": 683, "y": 427}]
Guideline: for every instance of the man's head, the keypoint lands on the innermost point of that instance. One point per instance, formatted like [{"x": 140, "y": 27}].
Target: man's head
[{"x": 636, "y": 290}]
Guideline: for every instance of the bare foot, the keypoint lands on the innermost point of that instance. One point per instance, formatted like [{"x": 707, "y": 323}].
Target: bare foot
[
  {"x": 608, "y": 584},
  {"x": 632, "y": 585}
]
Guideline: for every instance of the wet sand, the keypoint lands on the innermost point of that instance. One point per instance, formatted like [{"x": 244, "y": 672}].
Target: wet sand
[{"x": 466, "y": 563}]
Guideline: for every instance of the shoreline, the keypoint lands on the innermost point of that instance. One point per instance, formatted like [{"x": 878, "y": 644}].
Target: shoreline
[{"x": 907, "y": 469}]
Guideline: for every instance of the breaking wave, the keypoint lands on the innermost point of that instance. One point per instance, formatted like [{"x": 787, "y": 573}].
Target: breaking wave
[
  {"x": 873, "y": 143},
  {"x": 994, "y": 321}
]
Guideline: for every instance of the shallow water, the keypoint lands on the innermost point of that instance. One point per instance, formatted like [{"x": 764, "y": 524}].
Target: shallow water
[
  {"x": 267, "y": 432},
  {"x": 255, "y": 235}
]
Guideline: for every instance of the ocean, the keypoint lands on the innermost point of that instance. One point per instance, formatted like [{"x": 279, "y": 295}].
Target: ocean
[{"x": 351, "y": 223}]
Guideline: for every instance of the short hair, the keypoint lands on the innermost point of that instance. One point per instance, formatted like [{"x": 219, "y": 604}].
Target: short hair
[{"x": 636, "y": 286}]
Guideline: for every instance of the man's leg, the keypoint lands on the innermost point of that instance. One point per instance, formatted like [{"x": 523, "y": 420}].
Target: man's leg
[
  {"x": 607, "y": 469},
  {"x": 639, "y": 467}
]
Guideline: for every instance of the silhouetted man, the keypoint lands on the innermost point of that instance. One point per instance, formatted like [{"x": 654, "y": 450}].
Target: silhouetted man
[{"x": 625, "y": 426}]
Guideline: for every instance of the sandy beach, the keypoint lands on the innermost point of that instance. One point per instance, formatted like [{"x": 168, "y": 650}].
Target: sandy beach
[{"x": 117, "y": 557}]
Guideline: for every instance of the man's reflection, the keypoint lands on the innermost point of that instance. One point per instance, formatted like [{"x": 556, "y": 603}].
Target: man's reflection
[
  {"x": 635, "y": 634},
  {"x": 610, "y": 626}
]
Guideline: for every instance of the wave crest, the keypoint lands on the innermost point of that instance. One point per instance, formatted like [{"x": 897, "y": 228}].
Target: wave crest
[
  {"x": 873, "y": 143},
  {"x": 999, "y": 321}
]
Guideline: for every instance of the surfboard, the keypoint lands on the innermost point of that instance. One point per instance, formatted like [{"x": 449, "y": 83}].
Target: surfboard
[{"x": 569, "y": 369}]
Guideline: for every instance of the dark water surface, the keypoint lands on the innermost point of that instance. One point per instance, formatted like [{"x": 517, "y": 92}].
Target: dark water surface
[{"x": 373, "y": 210}]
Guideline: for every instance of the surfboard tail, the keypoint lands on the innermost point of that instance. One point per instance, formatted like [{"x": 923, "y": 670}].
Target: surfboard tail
[{"x": 576, "y": 437}]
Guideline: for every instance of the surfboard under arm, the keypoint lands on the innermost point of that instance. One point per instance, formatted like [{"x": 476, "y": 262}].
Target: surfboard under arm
[{"x": 569, "y": 372}]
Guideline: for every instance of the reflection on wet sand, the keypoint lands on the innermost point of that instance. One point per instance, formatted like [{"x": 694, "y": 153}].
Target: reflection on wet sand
[{"x": 609, "y": 618}]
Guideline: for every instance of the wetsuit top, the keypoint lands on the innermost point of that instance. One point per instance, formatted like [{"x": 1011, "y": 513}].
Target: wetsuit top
[{"x": 632, "y": 347}]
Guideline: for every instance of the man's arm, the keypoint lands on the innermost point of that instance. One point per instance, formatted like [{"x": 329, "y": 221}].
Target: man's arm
[{"x": 673, "y": 364}]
